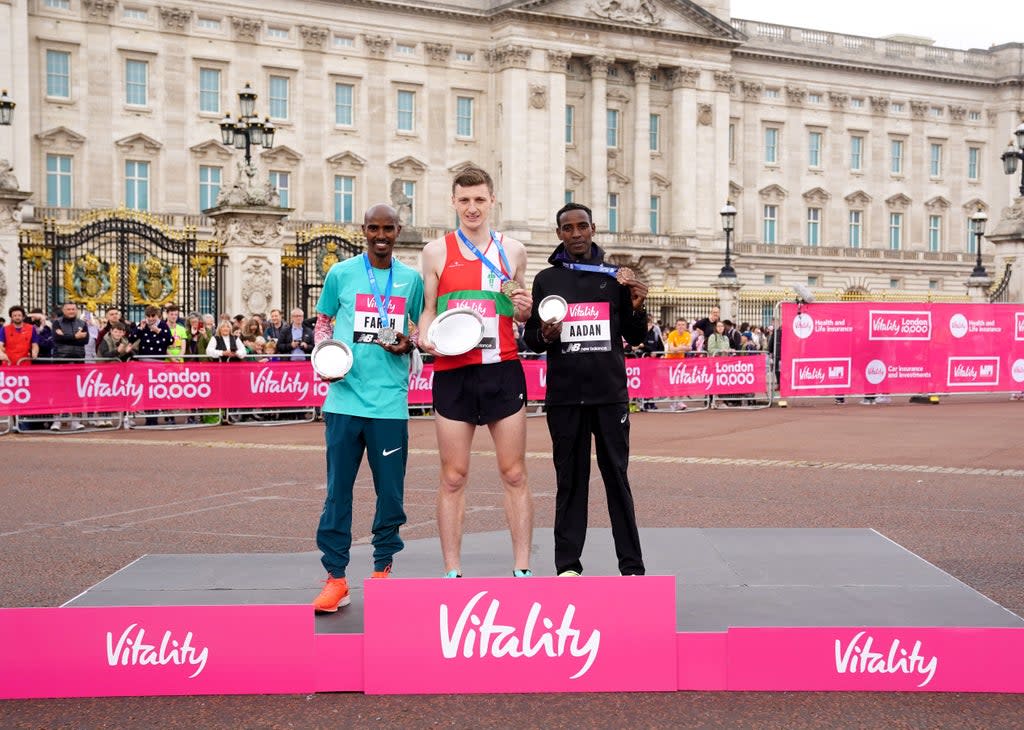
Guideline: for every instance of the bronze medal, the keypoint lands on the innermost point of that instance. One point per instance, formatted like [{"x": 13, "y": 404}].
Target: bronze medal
[
  {"x": 509, "y": 286},
  {"x": 623, "y": 275}
]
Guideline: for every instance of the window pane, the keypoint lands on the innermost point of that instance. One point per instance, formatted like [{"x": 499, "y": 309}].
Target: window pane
[
  {"x": 280, "y": 181},
  {"x": 613, "y": 212},
  {"x": 58, "y": 181},
  {"x": 813, "y": 226},
  {"x": 973, "y": 157},
  {"x": 136, "y": 185},
  {"x": 209, "y": 90},
  {"x": 771, "y": 213},
  {"x": 771, "y": 141},
  {"x": 814, "y": 149},
  {"x": 344, "y": 198},
  {"x": 935, "y": 161},
  {"x": 613, "y": 128},
  {"x": 135, "y": 73},
  {"x": 856, "y": 153},
  {"x": 570, "y": 122},
  {"x": 406, "y": 111},
  {"x": 58, "y": 74},
  {"x": 856, "y": 217},
  {"x": 464, "y": 116},
  {"x": 209, "y": 186},
  {"x": 343, "y": 94},
  {"x": 896, "y": 165},
  {"x": 655, "y": 214},
  {"x": 409, "y": 190},
  {"x": 569, "y": 196},
  {"x": 278, "y": 97},
  {"x": 895, "y": 230},
  {"x": 655, "y": 132},
  {"x": 934, "y": 233}
]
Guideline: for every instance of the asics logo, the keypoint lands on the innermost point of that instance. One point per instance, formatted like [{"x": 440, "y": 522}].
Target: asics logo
[
  {"x": 387, "y": 452},
  {"x": 623, "y": 419}
]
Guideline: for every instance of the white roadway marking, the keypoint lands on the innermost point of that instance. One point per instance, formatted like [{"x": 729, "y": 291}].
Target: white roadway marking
[{"x": 638, "y": 458}]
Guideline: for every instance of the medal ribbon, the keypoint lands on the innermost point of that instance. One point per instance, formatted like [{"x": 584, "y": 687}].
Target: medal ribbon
[
  {"x": 385, "y": 302},
  {"x": 502, "y": 276},
  {"x": 597, "y": 268}
]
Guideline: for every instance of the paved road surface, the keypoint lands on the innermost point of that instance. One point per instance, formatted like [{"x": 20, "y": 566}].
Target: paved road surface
[{"x": 946, "y": 481}]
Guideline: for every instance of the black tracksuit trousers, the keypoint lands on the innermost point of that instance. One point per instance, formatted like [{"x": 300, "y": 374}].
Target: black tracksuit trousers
[{"x": 571, "y": 428}]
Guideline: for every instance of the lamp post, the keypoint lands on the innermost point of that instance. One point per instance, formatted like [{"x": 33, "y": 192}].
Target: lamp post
[
  {"x": 248, "y": 130},
  {"x": 728, "y": 214},
  {"x": 978, "y": 221},
  {"x": 6, "y": 109},
  {"x": 1013, "y": 153}
]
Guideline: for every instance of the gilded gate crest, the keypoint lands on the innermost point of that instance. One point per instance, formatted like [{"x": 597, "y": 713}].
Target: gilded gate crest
[
  {"x": 90, "y": 281},
  {"x": 152, "y": 282}
]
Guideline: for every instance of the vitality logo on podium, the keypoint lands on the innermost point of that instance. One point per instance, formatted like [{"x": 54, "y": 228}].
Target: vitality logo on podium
[{"x": 589, "y": 634}]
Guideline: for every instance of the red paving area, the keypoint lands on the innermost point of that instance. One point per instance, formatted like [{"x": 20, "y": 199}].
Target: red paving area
[{"x": 946, "y": 482}]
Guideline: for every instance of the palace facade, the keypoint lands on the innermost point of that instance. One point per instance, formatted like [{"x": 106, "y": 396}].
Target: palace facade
[{"x": 854, "y": 162}]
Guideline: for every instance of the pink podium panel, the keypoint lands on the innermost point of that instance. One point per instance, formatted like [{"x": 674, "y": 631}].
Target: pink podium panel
[
  {"x": 932, "y": 659},
  {"x": 473, "y": 635},
  {"x": 149, "y": 650}
]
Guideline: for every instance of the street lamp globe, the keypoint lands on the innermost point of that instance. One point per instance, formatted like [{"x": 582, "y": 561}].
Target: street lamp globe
[
  {"x": 6, "y": 108},
  {"x": 728, "y": 214},
  {"x": 1009, "y": 158},
  {"x": 247, "y": 101}
]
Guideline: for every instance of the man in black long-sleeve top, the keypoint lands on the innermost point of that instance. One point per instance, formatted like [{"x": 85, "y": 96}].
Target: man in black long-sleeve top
[{"x": 586, "y": 385}]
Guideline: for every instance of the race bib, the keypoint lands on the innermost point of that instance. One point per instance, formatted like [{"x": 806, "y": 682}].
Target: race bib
[
  {"x": 586, "y": 328},
  {"x": 366, "y": 322}
]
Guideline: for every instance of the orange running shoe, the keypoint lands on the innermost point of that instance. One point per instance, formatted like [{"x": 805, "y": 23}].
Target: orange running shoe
[
  {"x": 334, "y": 594},
  {"x": 386, "y": 573}
]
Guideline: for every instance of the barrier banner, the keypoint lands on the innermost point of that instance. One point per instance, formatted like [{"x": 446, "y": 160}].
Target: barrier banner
[
  {"x": 908, "y": 348},
  {"x": 165, "y": 386}
]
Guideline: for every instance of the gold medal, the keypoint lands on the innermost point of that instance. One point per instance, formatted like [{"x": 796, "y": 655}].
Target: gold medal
[
  {"x": 623, "y": 275},
  {"x": 507, "y": 287}
]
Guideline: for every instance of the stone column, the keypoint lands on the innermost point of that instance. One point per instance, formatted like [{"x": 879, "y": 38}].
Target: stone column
[
  {"x": 1008, "y": 248},
  {"x": 728, "y": 291},
  {"x": 683, "y": 220},
  {"x": 510, "y": 61},
  {"x": 642, "y": 147},
  {"x": 598, "y": 172},
  {"x": 15, "y": 55},
  {"x": 558, "y": 64},
  {"x": 253, "y": 237},
  {"x": 10, "y": 219}
]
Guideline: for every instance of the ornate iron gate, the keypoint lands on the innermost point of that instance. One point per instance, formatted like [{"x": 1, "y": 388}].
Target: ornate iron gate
[
  {"x": 305, "y": 264},
  {"x": 120, "y": 258}
]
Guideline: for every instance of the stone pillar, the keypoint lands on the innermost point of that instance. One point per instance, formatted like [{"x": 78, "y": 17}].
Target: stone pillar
[
  {"x": 598, "y": 171},
  {"x": 728, "y": 291},
  {"x": 558, "y": 64},
  {"x": 684, "y": 163},
  {"x": 1008, "y": 248},
  {"x": 253, "y": 237},
  {"x": 10, "y": 219},
  {"x": 642, "y": 147},
  {"x": 15, "y": 61},
  {"x": 510, "y": 61}
]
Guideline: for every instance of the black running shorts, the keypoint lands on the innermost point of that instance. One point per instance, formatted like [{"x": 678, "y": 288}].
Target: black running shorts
[{"x": 480, "y": 394}]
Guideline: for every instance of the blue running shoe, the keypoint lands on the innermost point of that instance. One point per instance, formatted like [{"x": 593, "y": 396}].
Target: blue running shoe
[{"x": 517, "y": 573}]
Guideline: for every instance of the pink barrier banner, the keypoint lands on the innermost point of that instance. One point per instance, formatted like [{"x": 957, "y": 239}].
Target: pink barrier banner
[
  {"x": 150, "y": 650},
  {"x": 650, "y": 377},
  {"x": 164, "y": 386},
  {"x": 520, "y": 635},
  {"x": 908, "y": 348},
  {"x": 932, "y": 659}
]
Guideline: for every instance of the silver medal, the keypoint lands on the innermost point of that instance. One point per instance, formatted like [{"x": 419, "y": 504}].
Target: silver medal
[{"x": 387, "y": 336}]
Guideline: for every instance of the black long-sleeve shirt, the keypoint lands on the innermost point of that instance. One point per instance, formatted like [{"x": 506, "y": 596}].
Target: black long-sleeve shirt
[{"x": 586, "y": 364}]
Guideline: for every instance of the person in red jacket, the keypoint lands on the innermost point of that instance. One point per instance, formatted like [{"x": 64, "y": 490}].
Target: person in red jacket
[{"x": 19, "y": 341}]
